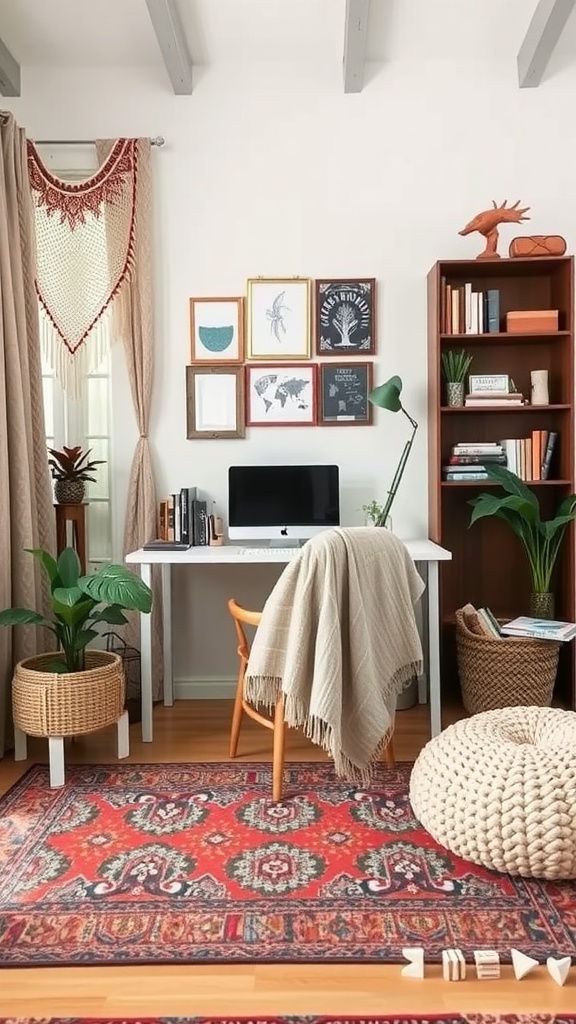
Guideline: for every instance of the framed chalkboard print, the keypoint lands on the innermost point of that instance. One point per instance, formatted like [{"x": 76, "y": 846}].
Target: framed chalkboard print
[
  {"x": 281, "y": 396},
  {"x": 217, "y": 330},
  {"x": 346, "y": 317},
  {"x": 278, "y": 318},
  {"x": 343, "y": 390}
]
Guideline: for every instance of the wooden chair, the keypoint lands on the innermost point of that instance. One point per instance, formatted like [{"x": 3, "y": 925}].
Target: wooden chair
[{"x": 275, "y": 722}]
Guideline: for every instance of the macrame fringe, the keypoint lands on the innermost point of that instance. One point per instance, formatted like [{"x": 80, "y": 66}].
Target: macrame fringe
[
  {"x": 71, "y": 368},
  {"x": 264, "y": 691}
]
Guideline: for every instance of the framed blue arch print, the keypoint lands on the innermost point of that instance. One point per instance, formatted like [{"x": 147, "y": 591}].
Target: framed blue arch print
[
  {"x": 217, "y": 330},
  {"x": 346, "y": 317}
]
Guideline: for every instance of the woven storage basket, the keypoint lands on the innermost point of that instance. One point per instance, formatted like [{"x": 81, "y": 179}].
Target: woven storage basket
[
  {"x": 48, "y": 703},
  {"x": 505, "y": 672}
]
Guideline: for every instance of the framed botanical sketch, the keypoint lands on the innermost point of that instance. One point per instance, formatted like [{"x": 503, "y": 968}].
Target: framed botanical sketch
[
  {"x": 215, "y": 401},
  {"x": 346, "y": 317},
  {"x": 217, "y": 330},
  {"x": 343, "y": 391},
  {"x": 278, "y": 318},
  {"x": 281, "y": 396}
]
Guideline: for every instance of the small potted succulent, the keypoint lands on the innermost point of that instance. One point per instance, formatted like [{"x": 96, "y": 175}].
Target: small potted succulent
[
  {"x": 455, "y": 366},
  {"x": 71, "y": 468}
]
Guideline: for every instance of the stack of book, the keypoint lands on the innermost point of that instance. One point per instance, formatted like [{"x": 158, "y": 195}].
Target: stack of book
[
  {"x": 484, "y": 399},
  {"x": 465, "y": 311},
  {"x": 183, "y": 518},
  {"x": 531, "y": 457},
  {"x": 540, "y": 629},
  {"x": 468, "y": 460}
]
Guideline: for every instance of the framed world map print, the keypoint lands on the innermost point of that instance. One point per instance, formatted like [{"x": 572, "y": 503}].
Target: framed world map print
[
  {"x": 281, "y": 396},
  {"x": 346, "y": 317}
]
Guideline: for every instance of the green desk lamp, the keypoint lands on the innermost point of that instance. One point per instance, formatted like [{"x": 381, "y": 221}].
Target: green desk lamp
[{"x": 387, "y": 396}]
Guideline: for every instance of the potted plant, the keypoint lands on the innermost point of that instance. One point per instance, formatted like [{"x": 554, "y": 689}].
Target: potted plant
[
  {"x": 455, "y": 366},
  {"x": 541, "y": 538},
  {"x": 71, "y": 468},
  {"x": 373, "y": 511},
  {"x": 74, "y": 690}
]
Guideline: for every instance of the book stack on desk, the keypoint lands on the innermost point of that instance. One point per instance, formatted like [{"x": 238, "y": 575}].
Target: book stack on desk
[{"x": 182, "y": 521}]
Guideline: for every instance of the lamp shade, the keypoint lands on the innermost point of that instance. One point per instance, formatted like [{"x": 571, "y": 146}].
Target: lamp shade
[{"x": 387, "y": 395}]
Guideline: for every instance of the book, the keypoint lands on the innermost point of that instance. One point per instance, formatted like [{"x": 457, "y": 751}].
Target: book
[
  {"x": 539, "y": 629},
  {"x": 165, "y": 545}
]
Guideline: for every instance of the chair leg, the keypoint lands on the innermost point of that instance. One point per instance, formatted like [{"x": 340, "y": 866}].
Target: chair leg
[
  {"x": 20, "y": 744},
  {"x": 237, "y": 713},
  {"x": 123, "y": 736},
  {"x": 278, "y": 755},
  {"x": 389, "y": 754}
]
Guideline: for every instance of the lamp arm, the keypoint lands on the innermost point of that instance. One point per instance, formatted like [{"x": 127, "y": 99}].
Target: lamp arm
[{"x": 399, "y": 472}]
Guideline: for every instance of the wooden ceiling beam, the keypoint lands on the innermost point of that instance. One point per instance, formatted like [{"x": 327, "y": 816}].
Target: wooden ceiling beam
[
  {"x": 9, "y": 72},
  {"x": 355, "y": 36},
  {"x": 167, "y": 25},
  {"x": 543, "y": 33}
]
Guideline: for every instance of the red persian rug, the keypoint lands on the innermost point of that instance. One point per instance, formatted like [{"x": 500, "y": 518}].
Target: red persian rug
[
  {"x": 443, "y": 1018},
  {"x": 193, "y": 863}
]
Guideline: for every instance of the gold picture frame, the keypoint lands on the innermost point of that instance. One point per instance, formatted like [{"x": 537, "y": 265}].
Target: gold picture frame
[
  {"x": 278, "y": 318},
  {"x": 217, "y": 329}
]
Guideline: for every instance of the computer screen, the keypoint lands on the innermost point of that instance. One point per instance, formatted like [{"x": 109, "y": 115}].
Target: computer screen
[{"x": 282, "y": 503}]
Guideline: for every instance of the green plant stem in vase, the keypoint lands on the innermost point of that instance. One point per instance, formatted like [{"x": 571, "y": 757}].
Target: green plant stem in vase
[
  {"x": 455, "y": 366},
  {"x": 541, "y": 539}
]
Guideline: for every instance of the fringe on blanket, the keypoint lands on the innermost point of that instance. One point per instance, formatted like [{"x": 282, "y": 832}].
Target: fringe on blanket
[{"x": 264, "y": 691}]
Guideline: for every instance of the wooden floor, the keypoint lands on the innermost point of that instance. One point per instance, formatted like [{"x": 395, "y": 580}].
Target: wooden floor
[{"x": 198, "y": 730}]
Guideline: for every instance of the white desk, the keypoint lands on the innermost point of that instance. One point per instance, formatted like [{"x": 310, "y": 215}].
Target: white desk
[{"x": 230, "y": 554}]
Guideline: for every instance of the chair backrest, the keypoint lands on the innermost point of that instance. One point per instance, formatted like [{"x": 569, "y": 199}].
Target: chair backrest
[{"x": 241, "y": 618}]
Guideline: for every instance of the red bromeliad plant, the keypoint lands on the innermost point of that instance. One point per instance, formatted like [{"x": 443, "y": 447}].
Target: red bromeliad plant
[{"x": 72, "y": 464}]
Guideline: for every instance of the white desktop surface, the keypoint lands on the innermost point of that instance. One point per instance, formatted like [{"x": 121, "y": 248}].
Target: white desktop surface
[{"x": 421, "y": 550}]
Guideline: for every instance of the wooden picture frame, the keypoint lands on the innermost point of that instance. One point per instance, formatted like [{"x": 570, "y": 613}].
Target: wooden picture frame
[
  {"x": 217, "y": 330},
  {"x": 281, "y": 396},
  {"x": 345, "y": 317},
  {"x": 215, "y": 402},
  {"x": 343, "y": 390},
  {"x": 278, "y": 318}
]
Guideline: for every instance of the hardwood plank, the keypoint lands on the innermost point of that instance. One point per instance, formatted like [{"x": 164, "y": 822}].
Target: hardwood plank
[{"x": 198, "y": 730}]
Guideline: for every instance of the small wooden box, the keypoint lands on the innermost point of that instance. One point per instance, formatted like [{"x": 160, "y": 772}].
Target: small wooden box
[{"x": 527, "y": 321}]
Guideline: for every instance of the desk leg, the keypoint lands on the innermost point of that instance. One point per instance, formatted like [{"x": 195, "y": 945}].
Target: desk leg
[
  {"x": 146, "y": 661},
  {"x": 167, "y": 632},
  {"x": 434, "y": 649}
]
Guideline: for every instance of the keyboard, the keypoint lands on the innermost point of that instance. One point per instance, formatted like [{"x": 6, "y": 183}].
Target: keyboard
[{"x": 250, "y": 552}]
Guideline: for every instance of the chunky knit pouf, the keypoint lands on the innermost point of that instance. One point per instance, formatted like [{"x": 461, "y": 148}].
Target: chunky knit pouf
[{"x": 499, "y": 789}]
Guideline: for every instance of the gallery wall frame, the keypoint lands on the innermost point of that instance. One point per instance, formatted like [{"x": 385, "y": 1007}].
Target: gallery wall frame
[
  {"x": 215, "y": 402},
  {"x": 343, "y": 390},
  {"x": 281, "y": 395},
  {"x": 278, "y": 318},
  {"x": 217, "y": 329},
  {"x": 345, "y": 316}
]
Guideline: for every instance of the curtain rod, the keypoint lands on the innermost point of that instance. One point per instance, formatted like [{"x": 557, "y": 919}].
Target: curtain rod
[{"x": 158, "y": 140}]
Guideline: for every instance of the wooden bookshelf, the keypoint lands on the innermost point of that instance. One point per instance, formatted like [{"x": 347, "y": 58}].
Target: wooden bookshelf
[{"x": 489, "y": 566}]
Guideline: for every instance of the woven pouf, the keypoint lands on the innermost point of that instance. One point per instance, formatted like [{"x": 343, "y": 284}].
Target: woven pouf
[{"x": 499, "y": 789}]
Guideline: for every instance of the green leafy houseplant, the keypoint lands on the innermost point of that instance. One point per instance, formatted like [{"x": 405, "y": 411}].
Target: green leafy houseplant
[
  {"x": 520, "y": 509},
  {"x": 373, "y": 511},
  {"x": 455, "y": 366},
  {"x": 72, "y": 464},
  {"x": 80, "y": 603}
]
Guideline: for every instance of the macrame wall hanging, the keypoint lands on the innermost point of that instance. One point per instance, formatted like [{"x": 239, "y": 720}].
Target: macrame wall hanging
[{"x": 85, "y": 253}]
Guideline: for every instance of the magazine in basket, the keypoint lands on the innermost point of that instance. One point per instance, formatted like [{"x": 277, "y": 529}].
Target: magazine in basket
[{"x": 540, "y": 629}]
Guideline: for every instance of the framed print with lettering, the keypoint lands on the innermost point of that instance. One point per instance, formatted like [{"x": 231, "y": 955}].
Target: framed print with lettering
[
  {"x": 343, "y": 391},
  {"x": 215, "y": 402},
  {"x": 278, "y": 318},
  {"x": 346, "y": 317},
  {"x": 281, "y": 396},
  {"x": 217, "y": 330}
]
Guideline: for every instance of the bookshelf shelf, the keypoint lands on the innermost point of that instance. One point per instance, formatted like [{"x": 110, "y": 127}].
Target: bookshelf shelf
[{"x": 489, "y": 566}]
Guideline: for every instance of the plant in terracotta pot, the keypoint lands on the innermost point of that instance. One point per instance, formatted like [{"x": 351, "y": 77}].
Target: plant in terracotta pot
[
  {"x": 455, "y": 366},
  {"x": 71, "y": 468},
  {"x": 541, "y": 539},
  {"x": 74, "y": 690}
]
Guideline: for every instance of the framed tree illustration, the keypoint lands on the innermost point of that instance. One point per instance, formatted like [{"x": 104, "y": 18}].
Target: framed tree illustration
[{"x": 346, "y": 317}]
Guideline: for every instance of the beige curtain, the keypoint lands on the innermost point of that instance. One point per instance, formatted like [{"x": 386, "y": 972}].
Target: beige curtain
[
  {"x": 26, "y": 512},
  {"x": 133, "y": 314}
]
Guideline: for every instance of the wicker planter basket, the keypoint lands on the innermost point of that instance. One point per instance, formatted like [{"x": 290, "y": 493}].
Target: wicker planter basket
[
  {"x": 48, "y": 703},
  {"x": 506, "y": 672}
]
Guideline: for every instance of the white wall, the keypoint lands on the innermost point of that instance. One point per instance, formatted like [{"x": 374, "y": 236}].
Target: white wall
[{"x": 273, "y": 171}]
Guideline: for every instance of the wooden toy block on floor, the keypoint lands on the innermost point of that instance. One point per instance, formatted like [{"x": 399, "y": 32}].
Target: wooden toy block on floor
[
  {"x": 453, "y": 965},
  {"x": 415, "y": 969}
]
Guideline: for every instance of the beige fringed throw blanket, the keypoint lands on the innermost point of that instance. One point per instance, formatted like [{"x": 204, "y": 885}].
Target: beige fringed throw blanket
[{"x": 338, "y": 638}]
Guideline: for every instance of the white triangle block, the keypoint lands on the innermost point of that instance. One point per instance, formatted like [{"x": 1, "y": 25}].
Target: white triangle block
[
  {"x": 415, "y": 969},
  {"x": 522, "y": 964},
  {"x": 558, "y": 969}
]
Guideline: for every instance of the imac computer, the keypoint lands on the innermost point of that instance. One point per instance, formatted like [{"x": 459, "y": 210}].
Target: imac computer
[{"x": 284, "y": 505}]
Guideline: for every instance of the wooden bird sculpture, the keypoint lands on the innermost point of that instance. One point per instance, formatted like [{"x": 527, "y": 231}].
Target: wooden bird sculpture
[{"x": 486, "y": 223}]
